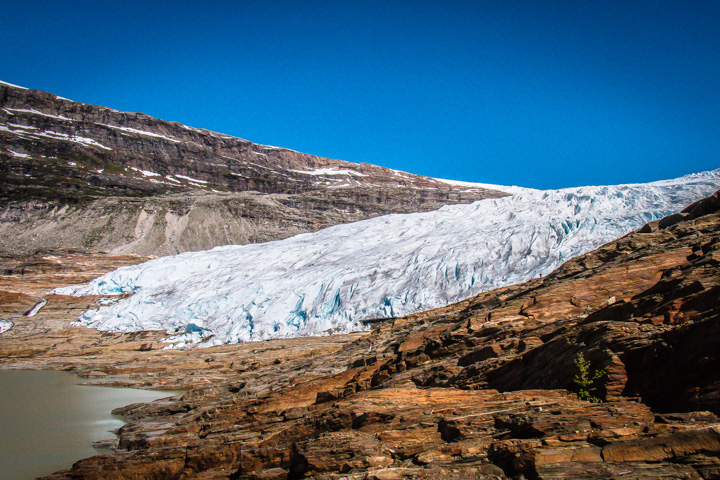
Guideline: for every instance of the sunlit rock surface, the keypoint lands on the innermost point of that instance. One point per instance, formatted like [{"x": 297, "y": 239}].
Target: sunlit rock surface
[{"x": 476, "y": 390}]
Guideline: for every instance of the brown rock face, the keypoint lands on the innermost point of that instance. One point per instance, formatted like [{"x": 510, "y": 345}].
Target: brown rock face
[
  {"x": 81, "y": 176},
  {"x": 477, "y": 390}
]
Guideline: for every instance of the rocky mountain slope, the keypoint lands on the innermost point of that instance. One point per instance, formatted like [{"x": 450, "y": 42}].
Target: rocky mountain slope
[
  {"x": 91, "y": 178},
  {"x": 481, "y": 389},
  {"x": 332, "y": 280}
]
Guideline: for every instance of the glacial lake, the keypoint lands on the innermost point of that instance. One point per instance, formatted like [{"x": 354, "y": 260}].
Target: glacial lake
[{"x": 48, "y": 421}]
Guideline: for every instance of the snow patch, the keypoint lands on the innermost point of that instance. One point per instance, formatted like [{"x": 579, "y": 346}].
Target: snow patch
[
  {"x": 159, "y": 181},
  {"x": 5, "y": 325},
  {"x": 190, "y": 179},
  {"x": 145, "y": 173},
  {"x": 329, "y": 171},
  {"x": 36, "y": 308},
  {"x": 57, "y": 136},
  {"x": 35, "y": 112},
  {"x": 272, "y": 147},
  {"x": 139, "y": 132},
  {"x": 11, "y": 85},
  {"x": 329, "y": 281},
  {"x": 502, "y": 188},
  {"x": 19, "y": 155},
  {"x": 24, "y": 127},
  {"x": 74, "y": 138}
]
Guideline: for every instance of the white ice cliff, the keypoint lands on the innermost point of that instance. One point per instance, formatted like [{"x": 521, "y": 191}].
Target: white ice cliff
[{"x": 330, "y": 280}]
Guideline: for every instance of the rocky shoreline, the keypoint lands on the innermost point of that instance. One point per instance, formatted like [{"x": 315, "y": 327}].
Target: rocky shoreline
[{"x": 477, "y": 390}]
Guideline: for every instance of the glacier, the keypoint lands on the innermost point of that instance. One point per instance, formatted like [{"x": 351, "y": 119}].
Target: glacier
[{"x": 329, "y": 281}]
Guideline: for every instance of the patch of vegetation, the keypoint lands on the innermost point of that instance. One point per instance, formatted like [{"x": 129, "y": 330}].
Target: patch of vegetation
[
  {"x": 113, "y": 168},
  {"x": 68, "y": 175},
  {"x": 586, "y": 379}
]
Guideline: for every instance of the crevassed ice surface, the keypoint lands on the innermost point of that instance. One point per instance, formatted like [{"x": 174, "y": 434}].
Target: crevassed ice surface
[{"x": 327, "y": 281}]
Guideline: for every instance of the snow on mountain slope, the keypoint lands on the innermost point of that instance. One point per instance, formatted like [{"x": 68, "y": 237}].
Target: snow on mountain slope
[
  {"x": 491, "y": 186},
  {"x": 393, "y": 265}
]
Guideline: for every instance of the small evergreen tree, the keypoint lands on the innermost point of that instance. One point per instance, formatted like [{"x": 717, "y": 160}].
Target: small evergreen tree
[{"x": 586, "y": 379}]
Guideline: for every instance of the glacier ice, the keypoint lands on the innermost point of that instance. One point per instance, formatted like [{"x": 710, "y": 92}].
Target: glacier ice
[{"x": 330, "y": 280}]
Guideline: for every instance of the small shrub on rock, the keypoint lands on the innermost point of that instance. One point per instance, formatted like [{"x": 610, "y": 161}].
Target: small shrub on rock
[{"x": 586, "y": 378}]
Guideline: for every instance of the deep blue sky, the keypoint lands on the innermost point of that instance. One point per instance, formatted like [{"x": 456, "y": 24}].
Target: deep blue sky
[{"x": 542, "y": 94}]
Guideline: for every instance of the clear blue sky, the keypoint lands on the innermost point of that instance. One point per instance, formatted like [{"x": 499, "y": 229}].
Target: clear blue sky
[{"x": 543, "y": 94}]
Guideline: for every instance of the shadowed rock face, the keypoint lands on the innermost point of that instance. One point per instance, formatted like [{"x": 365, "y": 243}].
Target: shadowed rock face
[
  {"x": 478, "y": 389},
  {"x": 81, "y": 176}
]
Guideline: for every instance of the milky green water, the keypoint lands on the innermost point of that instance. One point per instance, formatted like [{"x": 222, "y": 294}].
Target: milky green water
[{"x": 48, "y": 421}]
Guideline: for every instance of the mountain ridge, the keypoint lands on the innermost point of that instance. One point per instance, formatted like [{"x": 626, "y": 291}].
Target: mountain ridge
[{"x": 68, "y": 161}]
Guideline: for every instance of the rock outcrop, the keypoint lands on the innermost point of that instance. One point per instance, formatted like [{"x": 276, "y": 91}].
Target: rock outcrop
[
  {"x": 479, "y": 389},
  {"x": 81, "y": 176}
]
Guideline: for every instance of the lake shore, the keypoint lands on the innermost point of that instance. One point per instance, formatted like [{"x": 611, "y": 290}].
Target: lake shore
[
  {"x": 46, "y": 341},
  {"x": 49, "y": 420}
]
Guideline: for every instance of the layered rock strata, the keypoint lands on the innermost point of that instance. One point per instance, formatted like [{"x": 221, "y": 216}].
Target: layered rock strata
[{"x": 74, "y": 175}]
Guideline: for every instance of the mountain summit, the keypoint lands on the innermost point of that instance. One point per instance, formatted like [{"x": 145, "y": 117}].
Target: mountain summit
[{"x": 96, "y": 179}]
